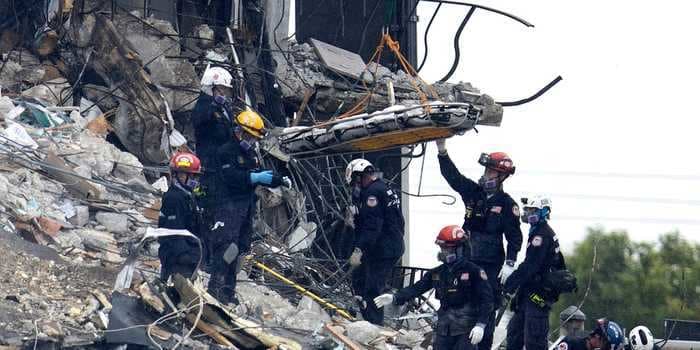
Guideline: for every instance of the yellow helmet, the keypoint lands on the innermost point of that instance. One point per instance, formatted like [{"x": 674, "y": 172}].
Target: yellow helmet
[{"x": 252, "y": 123}]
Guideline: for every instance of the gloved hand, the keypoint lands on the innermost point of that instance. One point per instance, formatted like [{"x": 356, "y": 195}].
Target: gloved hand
[
  {"x": 441, "y": 146},
  {"x": 506, "y": 271},
  {"x": 356, "y": 257},
  {"x": 476, "y": 334},
  {"x": 261, "y": 177},
  {"x": 383, "y": 300}
]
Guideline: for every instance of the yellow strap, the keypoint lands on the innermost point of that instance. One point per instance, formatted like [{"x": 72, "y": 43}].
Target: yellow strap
[{"x": 304, "y": 291}]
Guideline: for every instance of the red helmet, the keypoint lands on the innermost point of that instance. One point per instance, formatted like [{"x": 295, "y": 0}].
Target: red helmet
[
  {"x": 451, "y": 235},
  {"x": 498, "y": 161},
  {"x": 186, "y": 162}
]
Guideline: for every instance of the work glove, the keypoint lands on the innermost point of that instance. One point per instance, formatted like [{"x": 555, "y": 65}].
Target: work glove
[
  {"x": 383, "y": 300},
  {"x": 506, "y": 271},
  {"x": 441, "y": 146},
  {"x": 476, "y": 334},
  {"x": 356, "y": 257},
  {"x": 262, "y": 177}
]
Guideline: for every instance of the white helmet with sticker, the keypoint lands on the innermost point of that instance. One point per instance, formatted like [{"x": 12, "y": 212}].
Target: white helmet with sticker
[
  {"x": 358, "y": 165},
  {"x": 538, "y": 201},
  {"x": 214, "y": 76}
]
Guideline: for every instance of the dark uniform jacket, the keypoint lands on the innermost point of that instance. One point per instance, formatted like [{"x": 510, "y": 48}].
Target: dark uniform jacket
[
  {"x": 213, "y": 126},
  {"x": 465, "y": 296},
  {"x": 379, "y": 224},
  {"x": 486, "y": 218},
  {"x": 542, "y": 255},
  {"x": 572, "y": 343},
  {"x": 234, "y": 165},
  {"x": 179, "y": 211}
]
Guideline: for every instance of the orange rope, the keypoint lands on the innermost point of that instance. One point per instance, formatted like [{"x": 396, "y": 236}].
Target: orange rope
[{"x": 395, "y": 48}]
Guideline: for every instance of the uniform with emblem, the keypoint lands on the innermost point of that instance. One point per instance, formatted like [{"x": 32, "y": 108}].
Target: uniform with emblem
[
  {"x": 179, "y": 211},
  {"x": 572, "y": 343},
  {"x": 379, "y": 228},
  {"x": 530, "y": 323},
  {"x": 466, "y": 299},
  {"x": 607, "y": 335},
  {"x": 233, "y": 205},
  {"x": 490, "y": 214}
]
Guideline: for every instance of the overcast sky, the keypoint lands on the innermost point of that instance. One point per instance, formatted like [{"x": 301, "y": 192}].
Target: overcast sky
[{"x": 615, "y": 143}]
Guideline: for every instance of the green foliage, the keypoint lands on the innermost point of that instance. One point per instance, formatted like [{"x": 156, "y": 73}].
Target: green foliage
[{"x": 635, "y": 283}]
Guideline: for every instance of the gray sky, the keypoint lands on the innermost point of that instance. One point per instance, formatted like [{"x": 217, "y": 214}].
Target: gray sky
[{"x": 615, "y": 144}]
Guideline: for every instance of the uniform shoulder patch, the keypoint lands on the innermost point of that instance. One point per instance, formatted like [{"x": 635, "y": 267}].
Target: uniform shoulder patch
[
  {"x": 563, "y": 346},
  {"x": 372, "y": 201},
  {"x": 536, "y": 241},
  {"x": 496, "y": 210},
  {"x": 483, "y": 275},
  {"x": 516, "y": 210},
  {"x": 464, "y": 276}
]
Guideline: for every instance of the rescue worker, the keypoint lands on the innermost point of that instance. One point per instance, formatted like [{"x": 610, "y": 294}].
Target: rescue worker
[
  {"x": 606, "y": 336},
  {"x": 466, "y": 299},
  {"x": 213, "y": 114},
  {"x": 490, "y": 214},
  {"x": 238, "y": 173},
  {"x": 213, "y": 120},
  {"x": 379, "y": 228},
  {"x": 179, "y": 211},
  {"x": 530, "y": 323}
]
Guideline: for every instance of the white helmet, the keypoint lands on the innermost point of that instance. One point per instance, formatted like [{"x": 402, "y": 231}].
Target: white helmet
[
  {"x": 215, "y": 76},
  {"x": 356, "y": 166},
  {"x": 641, "y": 338},
  {"x": 538, "y": 201}
]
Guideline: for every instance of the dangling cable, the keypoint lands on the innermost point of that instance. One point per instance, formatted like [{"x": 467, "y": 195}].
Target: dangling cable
[
  {"x": 425, "y": 37},
  {"x": 456, "y": 44},
  {"x": 533, "y": 97}
]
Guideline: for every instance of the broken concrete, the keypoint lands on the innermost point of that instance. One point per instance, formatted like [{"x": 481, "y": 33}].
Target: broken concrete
[
  {"x": 335, "y": 96},
  {"x": 114, "y": 222}
]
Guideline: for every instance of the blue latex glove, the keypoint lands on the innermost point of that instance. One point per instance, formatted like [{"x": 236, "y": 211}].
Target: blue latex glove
[{"x": 261, "y": 177}]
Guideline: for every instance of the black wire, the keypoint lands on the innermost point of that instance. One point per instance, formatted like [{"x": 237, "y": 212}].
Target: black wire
[
  {"x": 490, "y": 9},
  {"x": 425, "y": 37},
  {"x": 533, "y": 97},
  {"x": 458, "y": 35}
]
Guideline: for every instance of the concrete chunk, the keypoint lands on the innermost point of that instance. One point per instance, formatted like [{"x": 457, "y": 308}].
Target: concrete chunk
[{"x": 114, "y": 222}]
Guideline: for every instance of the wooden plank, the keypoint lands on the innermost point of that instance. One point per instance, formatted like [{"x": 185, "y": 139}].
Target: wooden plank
[
  {"x": 188, "y": 294},
  {"x": 210, "y": 331},
  {"x": 339, "y": 60},
  {"x": 151, "y": 299},
  {"x": 214, "y": 313},
  {"x": 337, "y": 333},
  {"x": 300, "y": 113}
]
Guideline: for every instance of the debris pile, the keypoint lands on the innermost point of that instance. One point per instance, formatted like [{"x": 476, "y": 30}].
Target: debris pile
[{"x": 90, "y": 109}]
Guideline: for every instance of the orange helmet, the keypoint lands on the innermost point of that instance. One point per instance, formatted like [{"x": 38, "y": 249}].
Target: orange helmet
[
  {"x": 498, "y": 161},
  {"x": 451, "y": 235},
  {"x": 185, "y": 162}
]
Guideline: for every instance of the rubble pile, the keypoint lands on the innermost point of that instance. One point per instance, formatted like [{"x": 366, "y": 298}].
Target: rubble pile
[{"x": 88, "y": 112}]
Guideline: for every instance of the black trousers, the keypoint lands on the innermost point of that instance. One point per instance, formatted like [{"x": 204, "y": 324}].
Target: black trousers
[
  {"x": 236, "y": 217},
  {"x": 529, "y": 325},
  {"x": 492, "y": 270},
  {"x": 453, "y": 342},
  {"x": 369, "y": 281}
]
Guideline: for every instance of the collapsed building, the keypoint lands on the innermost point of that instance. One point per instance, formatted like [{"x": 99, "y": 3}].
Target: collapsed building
[{"x": 94, "y": 98}]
